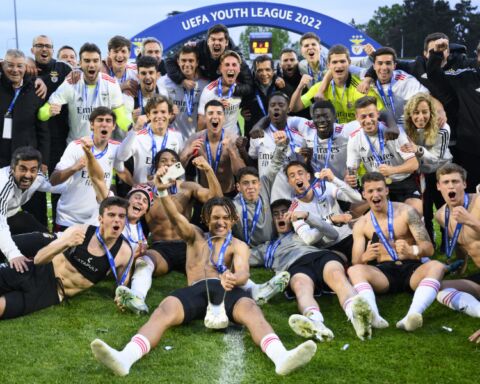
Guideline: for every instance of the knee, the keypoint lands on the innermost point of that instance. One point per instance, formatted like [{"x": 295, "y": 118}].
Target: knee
[
  {"x": 436, "y": 268},
  {"x": 335, "y": 276},
  {"x": 167, "y": 310},
  {"x": 246, "y": 309},
  {"x": 356, "y": 272},
  {"x": 299, "y": 283}
]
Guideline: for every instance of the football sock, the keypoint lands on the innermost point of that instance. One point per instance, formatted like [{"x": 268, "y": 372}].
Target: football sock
[{"x": 142, "y": 276}]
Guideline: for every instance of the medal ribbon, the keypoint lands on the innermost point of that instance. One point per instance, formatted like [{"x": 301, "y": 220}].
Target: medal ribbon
[
  {"x": 219, "y": 266},
  {"x": 101, "y": 154},
  {"x": 230, "y": 91},
  {"x": 215, "y": 164},
  {"x": 154, "y": 147},
  {"x": 141, "y": 236},
  {"x": 12, "y": 103},
  {"x": 188, "y": 97},
  {"x": 450, "y": 244},
  {"x": 390, "y": 104},
  {"x": 381, "y": 143},
  {"x": 386, "y": 243},
  {"x": 256, "y": 215},
  {"x": 272, "y": 247},
  {"x": 95, "y": 93}
]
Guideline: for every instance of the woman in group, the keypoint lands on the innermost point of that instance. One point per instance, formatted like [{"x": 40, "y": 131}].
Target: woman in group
[{"x": 429, "y": 142}]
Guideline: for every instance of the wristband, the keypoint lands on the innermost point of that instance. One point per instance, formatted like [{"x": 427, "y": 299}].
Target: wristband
[
  {"x": 415, "y": 250},
  {"x": 163, "y": 193}
]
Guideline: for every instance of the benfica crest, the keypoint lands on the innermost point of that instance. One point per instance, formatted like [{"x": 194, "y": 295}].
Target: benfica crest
[{"x": 357, "y": 47}]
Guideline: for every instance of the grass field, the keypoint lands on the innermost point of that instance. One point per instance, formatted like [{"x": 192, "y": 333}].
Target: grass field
[{"x": 52, "y": 346}]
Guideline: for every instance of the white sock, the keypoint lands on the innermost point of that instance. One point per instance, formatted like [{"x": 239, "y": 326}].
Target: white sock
[
  {"x": 424, "y": 295},
  {"x": 459, "y": 301},
  {"x": 142, "y": 276},
  {"x": 273, "y": 348},
  {"x": 248, "y": 286},
  {"x": 365, "y": 290},
  {"x": 313, "y": 313},
  {"x": 347, "y": 307},
  {"x": 135, "y": 350}
]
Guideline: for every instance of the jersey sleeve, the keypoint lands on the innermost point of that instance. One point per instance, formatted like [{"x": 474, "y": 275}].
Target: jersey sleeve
[
  {"x": 204, "y": 98},
  {"x": 63, "y": 94},
  {"x": 353, "y": 155},
  {"x": 70, "y": 156},
  {"x": 116, "y": 98},
  {"x": 308, "y": 97}
]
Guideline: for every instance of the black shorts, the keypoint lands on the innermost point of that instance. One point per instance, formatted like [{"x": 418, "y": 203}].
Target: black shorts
[
  {"x": 29, "y": 291},
  {"x": 194, "y": 298},
  {"x": 312, "y": 265},
  {"x": 400, "y": 191},
  {"x": 399, "y": 275},
  {"x": 344, "y": 246},
  {"x": 174, "y": 252},
  {"x": 475, "y": 278}
]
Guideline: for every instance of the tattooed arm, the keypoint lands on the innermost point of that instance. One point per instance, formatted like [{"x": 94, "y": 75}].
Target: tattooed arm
[{"x": 419, "y": 233}]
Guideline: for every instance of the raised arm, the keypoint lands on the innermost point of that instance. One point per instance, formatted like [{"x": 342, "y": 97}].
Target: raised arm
[
  {"x": 73, "y": 236},
  {"x": 95, "y": 172},
  {"x": 183, "y": 227},
  {"x": 214, "y": 188}
]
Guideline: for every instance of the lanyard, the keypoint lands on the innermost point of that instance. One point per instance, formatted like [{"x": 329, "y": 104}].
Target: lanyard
[
  {"x": 230, "y": 91},
  {"x": 112, "y": 262},
  {"x": 381, "y": 143},
  {"x": 313, "y": 186},
  {"x": 386, "y": 243},
  {"x": 219, "y": 266},
  {"x": 12, "y": 103},
  {"x": 450, "y": 244},
  {"x": 141, "y": 236},
  {"x": 101, "y": 154},
  {"x": 332, "y": 83},
  {"x": 260, "y": 103},
  {"x": 272, "y": 247},
  {"x": 95, "y": 93},
  {"x": 140, "y": 101},
  {"x": 327, "y": 156},
  {"x": 188, "y": 97},
  {"x": 256, "y": 216},
  {"x": 391, "y": 103},
  {"x": 215, "y": 164},
  {"x": 319, "y": 74},
  {"x": 122, "y": 79},
  {"x": 154, "y": 147}
]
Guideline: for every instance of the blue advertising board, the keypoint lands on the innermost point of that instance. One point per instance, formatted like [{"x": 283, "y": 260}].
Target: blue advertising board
[{"x": 186, "y": 25}]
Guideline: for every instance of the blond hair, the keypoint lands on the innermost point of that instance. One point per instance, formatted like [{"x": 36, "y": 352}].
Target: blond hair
[{"x": 431, "y": 128}]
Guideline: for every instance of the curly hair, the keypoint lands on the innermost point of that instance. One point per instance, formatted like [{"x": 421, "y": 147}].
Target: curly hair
[
  {"x": 224, "y": 202},
  {"x": 431, "y": 129}
]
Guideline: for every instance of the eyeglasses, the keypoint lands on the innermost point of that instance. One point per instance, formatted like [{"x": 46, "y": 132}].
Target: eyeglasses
[{"x": 41, "y": 46}]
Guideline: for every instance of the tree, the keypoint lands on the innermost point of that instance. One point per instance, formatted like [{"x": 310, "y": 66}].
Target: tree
[{"x": 280, "y": 40}]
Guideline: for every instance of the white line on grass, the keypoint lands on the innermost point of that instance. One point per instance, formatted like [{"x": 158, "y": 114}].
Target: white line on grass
[{"x": 233, "y": 358}]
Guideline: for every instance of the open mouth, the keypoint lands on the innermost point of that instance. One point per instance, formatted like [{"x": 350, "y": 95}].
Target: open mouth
[
  {"x": 452, "y": 194},
  {"x": 91, "y": 72},
  {"x": 217, "y": 49},
  {"x": 136, "y": 209},
  {"x": 215, "y": 124},
  {"x": 104, "y": 132},
  {"x": 231, "y": 75},
  {"x": 276, "y": 115},
  {"x": 376, "y": 201},
  {"x": 282, "y": 224},
  {"x": 299, "y": 184},
  {"x": 311, "y": 54},
  {"x": 116, "y": 228}
]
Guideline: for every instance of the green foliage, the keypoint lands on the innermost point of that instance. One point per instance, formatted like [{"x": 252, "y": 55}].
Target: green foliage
[
  {"x": 415, "y": 19},
  {"x": 52, "y": 346},
  {"x": 280, "y": 40}
]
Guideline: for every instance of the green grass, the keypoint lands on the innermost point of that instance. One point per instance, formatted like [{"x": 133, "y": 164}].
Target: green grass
[{"x": 52, "y": 346}]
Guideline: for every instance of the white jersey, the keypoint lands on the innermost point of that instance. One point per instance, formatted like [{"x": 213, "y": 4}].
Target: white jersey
[
  {"x": 402, "y": 87},
  {"x": 337, "y": 160},
  {"x": 321, "y": 210},
  {"x": 436, "y": 155},
  {"x": 78, "y": 203},
  {"x": 82, "y": 99},
  {"x": 359, "y": 150},
  {"x": 129, "y": 74},
  {"x": 139, "y": 145},
  {"x": 180, "y": 97},
  {"x": 263, "y": 148},
  {"x": 210, "y": 92},
  {"x": 134, "y": 234}
]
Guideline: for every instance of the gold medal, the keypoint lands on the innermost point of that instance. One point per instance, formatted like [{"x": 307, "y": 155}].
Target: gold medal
[
  {"x": 398, "y": 262},
  {"x": 388, "y": 180},
  {"x": 190, "y": 120}
]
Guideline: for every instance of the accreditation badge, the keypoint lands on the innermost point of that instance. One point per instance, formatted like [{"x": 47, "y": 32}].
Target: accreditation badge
[{"x": 7, "y": 127}]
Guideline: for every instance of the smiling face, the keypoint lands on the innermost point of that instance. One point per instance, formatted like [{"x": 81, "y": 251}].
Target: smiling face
[
  {"x": 42, "y": 50},
  {"x": 90, "y": 64},
  {"x": 68, "y": 55},
  {"x": 338, "y": 64},
  {"x": 148, "y": 76},
  {"x": 119, "y": 57},
  {"x": 154, "y": 50},
  {"x": 219, "y": 223},
  {"x": 25, "y": 173},
  {"x": 112, "y": 221},
  {"x": 264, "y": 72},
  {"x": 298, "y": 178},
  {"x": 310, "y": 50},
  {"x": 421, "y": 115},
  {"x": 384, "y": 66},
  {"x": 217, "y": 43},
  {"x": 138, "y": 206},
  {"x": 278, "y": 110},
  {"x": 188, "y": 64},
  {"x": 452, "y": 187},
  {"x": 368, "y": 119},
  {"x": 14, "y": 69},
  {"x": 323, "y": 118},
  {"x": 229, "y": 69},
  {"x": 215, "y": 118},
  {"x": 376, "y": 195},
  {"x": 281, "y": 225},
  {"x": 249, "y": 187},
  {"x": 159, "y": 117},
  {"x": 102, "y": 127}
]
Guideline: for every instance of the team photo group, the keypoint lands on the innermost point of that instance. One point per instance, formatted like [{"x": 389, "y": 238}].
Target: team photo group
[{"x": 342, "y": 176}]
